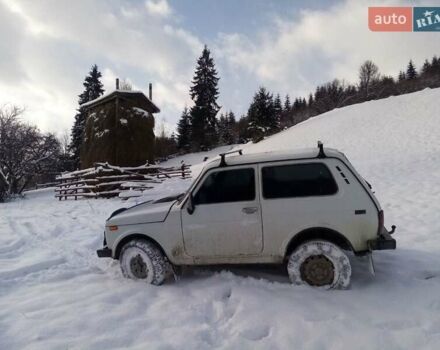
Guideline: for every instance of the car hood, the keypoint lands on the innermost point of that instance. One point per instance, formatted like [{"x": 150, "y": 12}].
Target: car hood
[{"x": 147, "y": 212}]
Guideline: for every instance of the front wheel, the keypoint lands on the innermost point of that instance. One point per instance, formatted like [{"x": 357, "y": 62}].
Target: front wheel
[
  {"x": 319, "y": 264},
  {"x": 143, "y": 260}
]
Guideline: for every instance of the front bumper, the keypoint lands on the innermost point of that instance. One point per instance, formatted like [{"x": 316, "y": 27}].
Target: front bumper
[
  {"x": 104, "y": 253},
  {"x": 383, "y": 241}
]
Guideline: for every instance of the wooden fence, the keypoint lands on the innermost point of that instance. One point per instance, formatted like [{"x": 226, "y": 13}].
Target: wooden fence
[{"x": 106, "y": 181}]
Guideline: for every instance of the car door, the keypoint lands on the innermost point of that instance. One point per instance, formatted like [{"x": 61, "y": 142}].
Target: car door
[
  {"x": 296, "y": 195},
  {"x": 226, "y": 221}
]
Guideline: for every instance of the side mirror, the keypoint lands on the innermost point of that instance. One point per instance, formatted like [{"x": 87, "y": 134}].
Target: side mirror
[{"x": 190, "y": 205}]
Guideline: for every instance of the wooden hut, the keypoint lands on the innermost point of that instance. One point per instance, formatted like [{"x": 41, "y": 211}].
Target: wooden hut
[{"x": 119, "y": 129}]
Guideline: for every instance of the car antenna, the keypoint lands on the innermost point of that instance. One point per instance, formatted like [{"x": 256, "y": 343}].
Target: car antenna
[
  {"x": 223, "y": 156},
  {"x": 321, "y": 153}
]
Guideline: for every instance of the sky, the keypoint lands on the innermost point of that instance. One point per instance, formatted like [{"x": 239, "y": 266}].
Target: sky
[{"x": 48, "y": 46}]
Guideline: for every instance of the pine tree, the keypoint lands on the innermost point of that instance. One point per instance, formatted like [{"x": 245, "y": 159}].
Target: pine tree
[
  {"x": 230, "y": 136},
  {"x": 296, "y": 105},
  {"x": 287, "y": 105},
  {"x": 222, "y": 126},
  {"x": 242, "y": 127},
  {"x": 184, "y": 131},
  {"x": 261, "y": 115},
  {"x": 310, "y": 101},
  {"x": 402, "y": 76},
  {"x": 232, "y": 125},
  {"x": 278, "y": 108},
  {"x": 204, "y": 93},
  {"x": 93, "y": 88},
  {"x": 411, "y": 72},
  {"x": 435, "y": 64},
  {"x": 227, "y": 129},
  {"x": 426, "y": 68}
]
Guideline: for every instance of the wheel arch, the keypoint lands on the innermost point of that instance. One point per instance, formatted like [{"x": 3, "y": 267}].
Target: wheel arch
[
  {"x": 318, "y": 233},
  {"x": 133, "y": 236}
]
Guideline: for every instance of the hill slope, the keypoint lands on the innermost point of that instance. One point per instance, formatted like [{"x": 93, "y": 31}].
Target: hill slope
[
  {"x": 55, "y": 293},
  {"x": 395, "y": 144}
]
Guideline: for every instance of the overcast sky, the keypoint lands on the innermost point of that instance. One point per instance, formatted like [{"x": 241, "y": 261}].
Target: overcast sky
[{"x": 48, "y": 46}]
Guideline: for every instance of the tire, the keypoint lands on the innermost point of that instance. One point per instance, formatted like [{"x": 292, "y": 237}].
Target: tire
[
  {"x": 143, "y": 260},
  {"x": 319, "y": 264}
]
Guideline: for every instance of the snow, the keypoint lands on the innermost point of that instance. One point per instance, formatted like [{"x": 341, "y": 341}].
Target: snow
[
  {"x": 123, "y": 121},
  {"x": 341, "y": 263},
  {"x": 102, "y": 133},
  {"x": 141, "y": 111},
  {"x": 55, "y": 293},
  {"x": 111, "y": 93}
]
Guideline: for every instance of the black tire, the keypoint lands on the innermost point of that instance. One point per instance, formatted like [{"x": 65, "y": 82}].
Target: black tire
[
  {"x": 319, "y": 264},
  {"x": 143, "y": 260}
]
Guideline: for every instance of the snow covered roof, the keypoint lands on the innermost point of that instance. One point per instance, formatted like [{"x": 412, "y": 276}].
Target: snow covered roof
[{"x": 124, "y": 94}]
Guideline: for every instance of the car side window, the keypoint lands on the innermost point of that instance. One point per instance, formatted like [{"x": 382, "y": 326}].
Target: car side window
[
  {"x": 235, "y": 185},
  {"x": 298, "y": 180}
]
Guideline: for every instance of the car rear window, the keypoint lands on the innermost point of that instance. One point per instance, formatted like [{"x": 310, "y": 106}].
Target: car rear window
[{"x": 298, "y": 180}]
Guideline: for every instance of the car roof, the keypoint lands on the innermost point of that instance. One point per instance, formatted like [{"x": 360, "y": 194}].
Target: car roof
[{"x": 273, "y": 156}]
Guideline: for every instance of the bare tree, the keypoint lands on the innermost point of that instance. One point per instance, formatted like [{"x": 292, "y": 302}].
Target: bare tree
[
  {"x": 368, "y": 75},
  {"x": 64, "y": 140},
  {"x": 125, "y": 85},
  {"x": 24, "y": 152}
]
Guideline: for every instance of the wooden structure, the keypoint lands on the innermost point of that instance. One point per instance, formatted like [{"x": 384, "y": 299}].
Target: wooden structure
[
  {"x": 106, "y": 181},
  {"x": 119, "y": 129}
]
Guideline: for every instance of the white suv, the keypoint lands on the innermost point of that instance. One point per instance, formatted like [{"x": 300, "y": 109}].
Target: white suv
[{"x": 303, "y": 208}]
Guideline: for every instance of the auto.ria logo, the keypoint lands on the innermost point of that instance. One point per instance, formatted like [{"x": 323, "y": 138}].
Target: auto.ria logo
[
  {"x": 404, "y": 19},
  {"x": 426, "y": 19}
]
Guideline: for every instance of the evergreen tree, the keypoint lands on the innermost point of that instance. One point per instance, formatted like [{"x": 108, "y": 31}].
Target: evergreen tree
[
  {"x": 222, "y": 129},
  {"x": 227, "y": 129},
  {"x": 184, "y": 131},
  {"x": 232, "y": 129},
  {"x": 93, "y": 88},
  {"x": 310, "y": 101},
  {"x": 261, "y": 115},
  {"x": 435, "y": 64},
  {"x": 411, "y": 72},
  {"x": 287, "y": 105},
  {"x": 204, "y": 93},
  {"x": 296, "y": 105},
  {"x": 242, "y": 126},
  {"x": 402, "y": 76},
  {"x": 426, "y": 68},
  {"x": 278, "y": 108}
]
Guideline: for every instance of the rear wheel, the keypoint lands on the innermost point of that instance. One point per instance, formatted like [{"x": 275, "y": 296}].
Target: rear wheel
[
  {"x": 319, "y": 264},
  {"x": 143, "y": 260}
]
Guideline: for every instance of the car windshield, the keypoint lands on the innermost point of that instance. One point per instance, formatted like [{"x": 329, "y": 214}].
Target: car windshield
[{"x": 183, "y": 195}]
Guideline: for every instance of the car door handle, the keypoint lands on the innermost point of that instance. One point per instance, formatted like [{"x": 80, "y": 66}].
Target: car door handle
[{"x": 249, "y": 210}]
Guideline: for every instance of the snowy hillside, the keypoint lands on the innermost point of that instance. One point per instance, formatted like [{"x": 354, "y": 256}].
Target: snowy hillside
[{"x": 55, "y": 293}]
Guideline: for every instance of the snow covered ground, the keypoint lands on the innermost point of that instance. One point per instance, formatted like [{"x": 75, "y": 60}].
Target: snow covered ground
[{"x": 56, "y": 294}]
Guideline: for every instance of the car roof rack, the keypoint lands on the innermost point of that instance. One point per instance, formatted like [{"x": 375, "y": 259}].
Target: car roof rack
[
  {"x": 223, "y": 156},
  {"x": 321, "y": 153}
]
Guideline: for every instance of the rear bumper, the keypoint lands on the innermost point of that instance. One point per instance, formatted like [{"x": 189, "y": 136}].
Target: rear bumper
[
  {"x": 384, "y": 241},
  {"x": 104, "y": 253}
]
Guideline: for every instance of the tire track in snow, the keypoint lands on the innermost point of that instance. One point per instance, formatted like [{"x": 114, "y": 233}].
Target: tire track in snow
[
  {"x": 41, "y": 247},
  {"x": 25, "y": 257}
]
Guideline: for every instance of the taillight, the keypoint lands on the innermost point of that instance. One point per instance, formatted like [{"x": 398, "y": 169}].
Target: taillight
[{"x": 381, "y": 222}]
